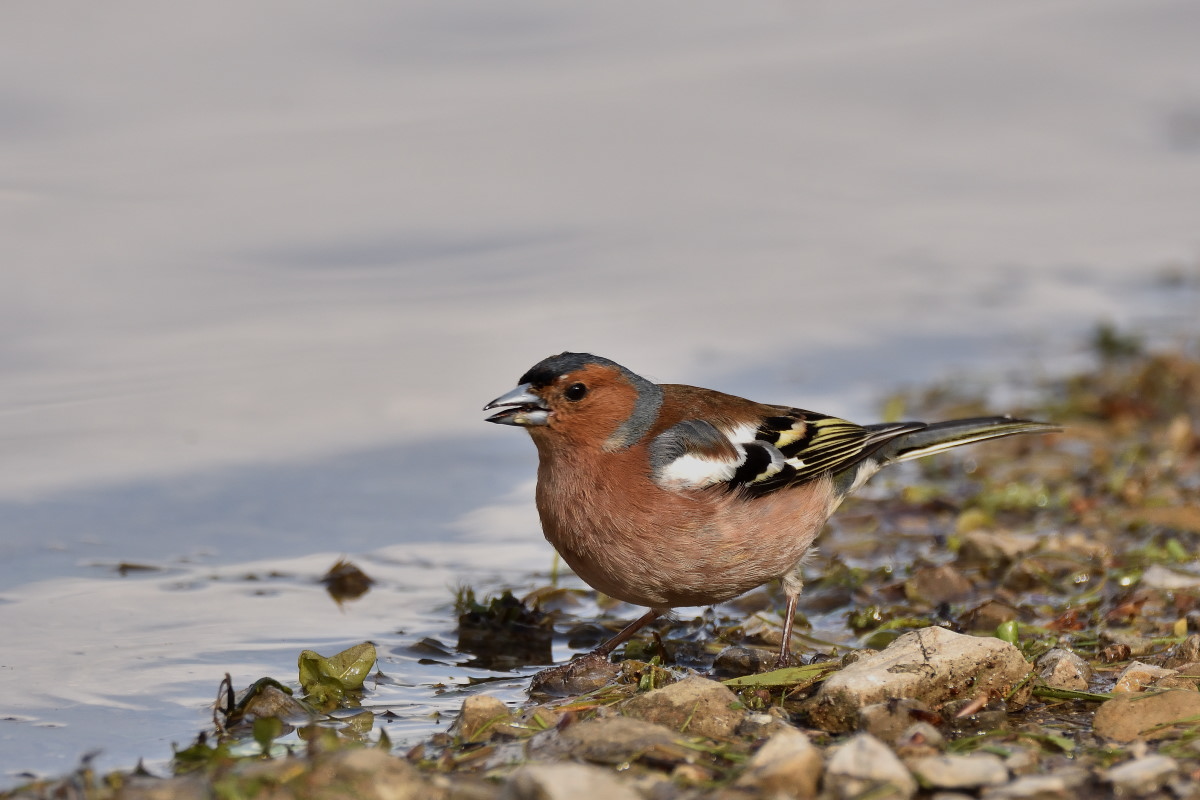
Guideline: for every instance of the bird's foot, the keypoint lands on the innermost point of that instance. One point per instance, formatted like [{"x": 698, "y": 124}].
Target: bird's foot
[
  {"x": 784, "y": 659},
  {"x": 583, "y": 673}
]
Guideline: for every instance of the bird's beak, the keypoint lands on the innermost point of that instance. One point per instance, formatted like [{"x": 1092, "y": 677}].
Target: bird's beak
[{"x": 519, "y": 407}]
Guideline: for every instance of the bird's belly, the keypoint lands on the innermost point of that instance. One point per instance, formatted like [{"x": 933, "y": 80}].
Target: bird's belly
[
  {"x": 649, "y": 580},
  {"x": 695, "y": 554}
]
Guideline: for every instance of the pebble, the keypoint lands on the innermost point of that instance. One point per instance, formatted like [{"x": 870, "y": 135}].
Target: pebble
[
  {"x": 865, "y": 764},
  {"x": 1156, "y": 576},
  {"x": 695, "y": 706},
  {"x": 988, "y": 615},
  {"x": 888, "y": 720},
  {"x": 1186, "y": 652},
  {"x": 692, "y": 774},
  {"x": 479, "y": 715},
  {"x": 960, "y": 772},
  {"x": 735, "y": 661},
  {"x": 937, "y": 585},
  {"x": 1138, "y": 676},
  {"x": 1145, "y": 716},
  {"x": 763, "y": 725},
  {"x": 993, "y": 549},
  {"x": 1036, "y": 572},
  {"x": 1062, "y": 669},
  {"x": 271, "y": 701},
  {"x": 1142, "y": 775},
  {"x": 565, "y": 782},
  {"x": 193, "y": 786},
  {"x": 610, "y": 740},
  {"x": 932, "y": 664},
  {"x": 1134, "y": 643},
  {"x": 370, "y": 773},
  {"x": 920, "y": 735},
  {"x": 1187, "y": 676},
  {"x": 1021, "y": 761},
  {"x": 787, "y": 766},
  {"x": 1064, "y": 784}
]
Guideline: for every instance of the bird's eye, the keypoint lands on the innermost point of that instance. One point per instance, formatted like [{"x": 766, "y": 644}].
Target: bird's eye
[{"x": 576, "y": 391}]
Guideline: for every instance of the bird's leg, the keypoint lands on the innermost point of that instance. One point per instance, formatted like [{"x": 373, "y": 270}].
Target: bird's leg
[
  {"x": 626, "y": 633},
  {"x": 588, "y": 671},
  {"x": 785, "y": 646},
  {"x": 791, "y": 588}
]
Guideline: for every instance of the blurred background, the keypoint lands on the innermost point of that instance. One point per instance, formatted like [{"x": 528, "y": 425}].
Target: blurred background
[{"x": 263, "y": 264}]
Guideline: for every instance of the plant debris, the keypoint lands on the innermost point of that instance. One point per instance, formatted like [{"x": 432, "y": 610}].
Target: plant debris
[{"x": 504, "y": 632}]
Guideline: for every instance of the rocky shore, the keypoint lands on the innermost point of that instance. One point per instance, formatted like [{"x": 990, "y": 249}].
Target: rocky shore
[{"x": 1024, "y": 628}]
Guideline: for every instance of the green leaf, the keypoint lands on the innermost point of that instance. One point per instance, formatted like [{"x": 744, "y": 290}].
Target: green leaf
[
  {"x": 788, "y": 676},
  {"x": 1008, "y": 632},
  {"x": 1177, "y": 551},
  {"x": 328, "y": 679}
]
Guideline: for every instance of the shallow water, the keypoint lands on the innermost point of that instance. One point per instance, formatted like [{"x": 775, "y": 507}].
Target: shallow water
[{"x": 260, "y": 279}]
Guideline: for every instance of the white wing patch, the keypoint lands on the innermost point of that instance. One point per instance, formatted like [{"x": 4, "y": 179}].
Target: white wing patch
[
  {"x": 690, "y": 471},
  {"x": 742, "y": 434},
  {"x": 696, "y": 454}
]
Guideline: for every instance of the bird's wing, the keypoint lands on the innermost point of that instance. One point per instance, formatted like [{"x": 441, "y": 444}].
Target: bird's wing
[
  {"x": 695, "y": 454},
  {"x": 791, "y": 447}
]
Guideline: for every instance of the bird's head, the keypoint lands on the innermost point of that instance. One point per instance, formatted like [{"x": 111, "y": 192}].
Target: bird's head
[{"x": 585, "y": 398}]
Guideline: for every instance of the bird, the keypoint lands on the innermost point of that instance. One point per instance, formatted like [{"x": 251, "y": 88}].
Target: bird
[{"x": 667, "y": 495}]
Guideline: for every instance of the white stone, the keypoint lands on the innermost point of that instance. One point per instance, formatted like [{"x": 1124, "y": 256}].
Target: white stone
[
  {"x": 1156, "y": 576},
  {"x": 1142, "y": 775},
  {"x": 864, "y": 763},
  {"x": 788, "y": 765},
  {"x": 1063, "y": 783},
  {"x": 1137, "y": 676},
  {"x": 960, "y": 772},
  {"x": 932, "y": 664},
  {"x": 1062, "y": 669},
  {"x": 565, "y": 782}
]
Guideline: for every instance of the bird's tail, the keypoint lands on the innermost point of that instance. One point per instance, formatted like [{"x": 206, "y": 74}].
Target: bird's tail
[{"x": 939, "y": 436}]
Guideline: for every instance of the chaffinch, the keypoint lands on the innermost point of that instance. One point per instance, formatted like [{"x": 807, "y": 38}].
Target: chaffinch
[{"x": 671, "y": 495}]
